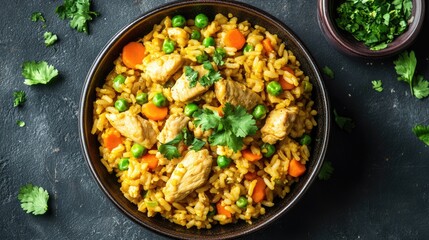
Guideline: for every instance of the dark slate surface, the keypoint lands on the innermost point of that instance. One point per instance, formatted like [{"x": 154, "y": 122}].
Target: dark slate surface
[{"x": 380, "y": 188}]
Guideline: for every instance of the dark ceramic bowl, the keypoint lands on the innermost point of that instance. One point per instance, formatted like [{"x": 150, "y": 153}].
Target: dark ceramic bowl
[
  {"x": 346, "y": 43},
  {"x": 141, "y": 26}
]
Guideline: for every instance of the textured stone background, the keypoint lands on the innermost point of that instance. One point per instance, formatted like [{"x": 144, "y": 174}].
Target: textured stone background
[{"x": 380, "y": 188}]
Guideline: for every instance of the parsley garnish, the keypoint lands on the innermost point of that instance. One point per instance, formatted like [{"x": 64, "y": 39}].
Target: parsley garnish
[
  {"x": 218, "y": 56},
  {"x": 170, "y": 150},
  {"x": 33, "y": 199},
  {"x": 375, "y": 23},
  {"x": 230, "y": 129},
  {"x": 344, "y": 123},
  {"x": 50, "y": 38},
  {"x": 326, "y": 171},
  {"x": 78, "y": 12},
  {"x": 18, "y": 98},
  {"x": 38, "y": 72},
  {"x": 377, "y": 85},
  {"x": 328, "y": 72},
  {"x": 20, "y": 123},
  {"x": 192, "y": 76},
  {"x": 422, "y": 132},
  {"x": 405, "y": 67},
  {"x": 207, "y": 80},
  {"x": 37, "y": 16}
]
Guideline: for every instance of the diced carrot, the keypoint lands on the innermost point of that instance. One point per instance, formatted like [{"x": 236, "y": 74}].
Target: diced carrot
[
  {"x": 234, "y": 38},
  {"x": 250, "y": 156},
  {"x": 221, "y": 210},
  {"x": 296, "y": 168},
  {"x": 259, "y": 190},
  {"x": 133, "y": 54},
  {"x": 285, "y": 84},
  {"x": 151, "y": 160},
  {"x": 266, "y": 43},
  {"x": 153, "y": 112},
  {"x": 112, "y": 138},
  {"x": 250, "y": 176}
]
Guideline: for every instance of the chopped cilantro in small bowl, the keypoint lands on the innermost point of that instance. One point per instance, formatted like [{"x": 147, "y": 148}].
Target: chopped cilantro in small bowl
[{"x": 371, "y": 29}]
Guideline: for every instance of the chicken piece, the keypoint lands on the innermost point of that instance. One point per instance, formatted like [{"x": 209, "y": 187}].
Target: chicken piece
[
  {"x": 178, "y": 35},
  {"x": 237, "y": 94},
  {"x": 182, "y": 92},
  {"x": 191, "y": 173},
  {"x": 173, "y": 126},
  {"x": 134, "y": 127},
  {"x": 278, "y": 124},
  {"x": 161, "y": 69}
]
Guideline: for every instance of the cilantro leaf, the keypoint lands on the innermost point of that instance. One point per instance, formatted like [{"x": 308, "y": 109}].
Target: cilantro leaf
[
  {"x": 377, "y": 85},
  {"x": 422, "y": 132},
  {"x": 218, "y": 56},
  {"x": 208, "y": 79},
  {"x": 345, "y": 123},
  {"x": 20, "y": 123},
  {"x": 242, "y": 124},
  {"x": 405, "y": 66},
  {"x": 328, "y": 72},
  {"x": 421, "y": 87},
  {"x": 18, "y": 98},
  {"x": 326, "y": 171},
  {"x": 78, "y": 12},
  {"x": 50, "y": 38},
  {"x": 33, "y": 199},
  {"x": 207, "y": 119},
  {"x": 197, "y": 144},
  {"x": 37, "y": 16},
  {"x": 38, "y": 72},
  {"x": 192, "y": 76},
  {"x": 169, "y": 151}
]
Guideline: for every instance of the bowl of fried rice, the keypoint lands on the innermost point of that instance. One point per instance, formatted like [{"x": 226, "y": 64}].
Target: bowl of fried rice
[{"x": 204, "y": 119}]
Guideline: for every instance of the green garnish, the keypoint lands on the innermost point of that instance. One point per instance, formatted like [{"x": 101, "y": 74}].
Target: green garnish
[
  {"x": 20, "y": 123},
  {"x": 207, "y": 80},
  {"x": 37, "y": 16},
  {"x": 33, "y": 199},
  {"x": 228, "y": 130},
  {"x": 78, "y": 12},
  {"x": 18, "y": 98},
  {"x": 192, "y": 76},
  {"x": 344, "y": 123},
  {"x": 375, "y": 23},
  {"x": 422, "y": 132},
  {"x": 218, "y": 56},
  {"x": 326, "y": 171},
  {"x": 170, "y": 150},
  {"x": 38, "y": 72},
  {"x": 328, "y": 72},
  {"x": 405, "y": 67},
  {"x": 377, "y": 85},
  {"x": 50, "y": 38}
]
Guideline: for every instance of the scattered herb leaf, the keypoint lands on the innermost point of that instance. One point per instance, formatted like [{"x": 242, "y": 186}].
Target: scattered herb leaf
[
  {"x": 218, "y": 56},
  {"x": 37, "y": 16},
  {"x": 421, "y": 87},
  {"x": 422, "y": 132},
  {"x": 170, "y": 150},
  {"x": 326, "y": 171},
  {"x": 377, "y": 85},
  {"x": 33, "y": 199},
  {"x": 38, "y": 72},
  {"x": 192, "y": 76},
  {"x": 78, "y": 12},
  {"x": 345, "y": 123},
  {"x": 50, "y": 38},
  {"x": 18, "y": 98},
  {"x": 20, "y": 123},
  {"x": 207, "y": 80},
  {"x": 328, "y": 72}
]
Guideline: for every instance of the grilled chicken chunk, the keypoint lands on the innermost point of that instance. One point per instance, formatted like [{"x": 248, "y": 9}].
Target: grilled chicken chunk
[
  {"x": 134, "y": 127},
  {"x": 237, "y": 94},
  {"x": 182, "y": 92},
  {"x": 178, "y": 35},
  {"x": 191, "y": 173},
  {"x": 278, "y": 124},
  {"x": 173, "y": 126},
  {"x": 161, "y": 69}
]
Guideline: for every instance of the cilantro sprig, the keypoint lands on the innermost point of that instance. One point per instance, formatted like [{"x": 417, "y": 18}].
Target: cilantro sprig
[
  {"x": 38, "y": 72},
  {"x": 228, "y": 130},
  {"x": 422, "y": 132},
  {"x": 170, "y": 150},
  {"x": 345, "y": 123},
  {"x": 377, "y": 85},
  {"x": 328, "y": 72},
  {"x": 49, "y": 38},
  {"x": 405, "y": 67},
  {"x": 33, "y": 199},
  {"x": 207, "y": 80},
  {"x": 78, "y": 12},
  {"x": 326, "y": 171},
  {"x": 19, "y": 98},
  {"x": 37, "y": 16}
]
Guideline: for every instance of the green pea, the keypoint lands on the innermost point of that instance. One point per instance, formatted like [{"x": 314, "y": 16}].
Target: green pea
[
  {"x": 241, "y": 202},
  {"x": 190, "y": 108},
  {"x": 159, "y": 100},
  {"x": 141, "y": 98},
  {"x": 195, "y": 35},
  {"x": 137, "y": 150},
  {"x": 178, "y": 21},
  {"x": 305, "y": 140},
  {"x": 259, "y": 112},
  {"x": 268, "y": 150},
  {"x": 123, "y": 164},
  {"x": 248, "y": 48},
  {"x": 121, "y": 105},
  {"x": 168, "y": 46},
  {"x": 274, "y": 88},
  {"x": 208, "y": 41},
  {"x": 117, "y": 82},
  {"x": 308, "y": 87},
  {"x": 203, "y": 57},
  {"x": 201, "y": 20},
  {"x": 223, "y": 161}
]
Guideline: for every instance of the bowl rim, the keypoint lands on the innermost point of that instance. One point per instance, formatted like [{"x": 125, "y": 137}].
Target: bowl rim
[
  {"x": 336, "y": 38},
  {"x": 325, "y": 105}
]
